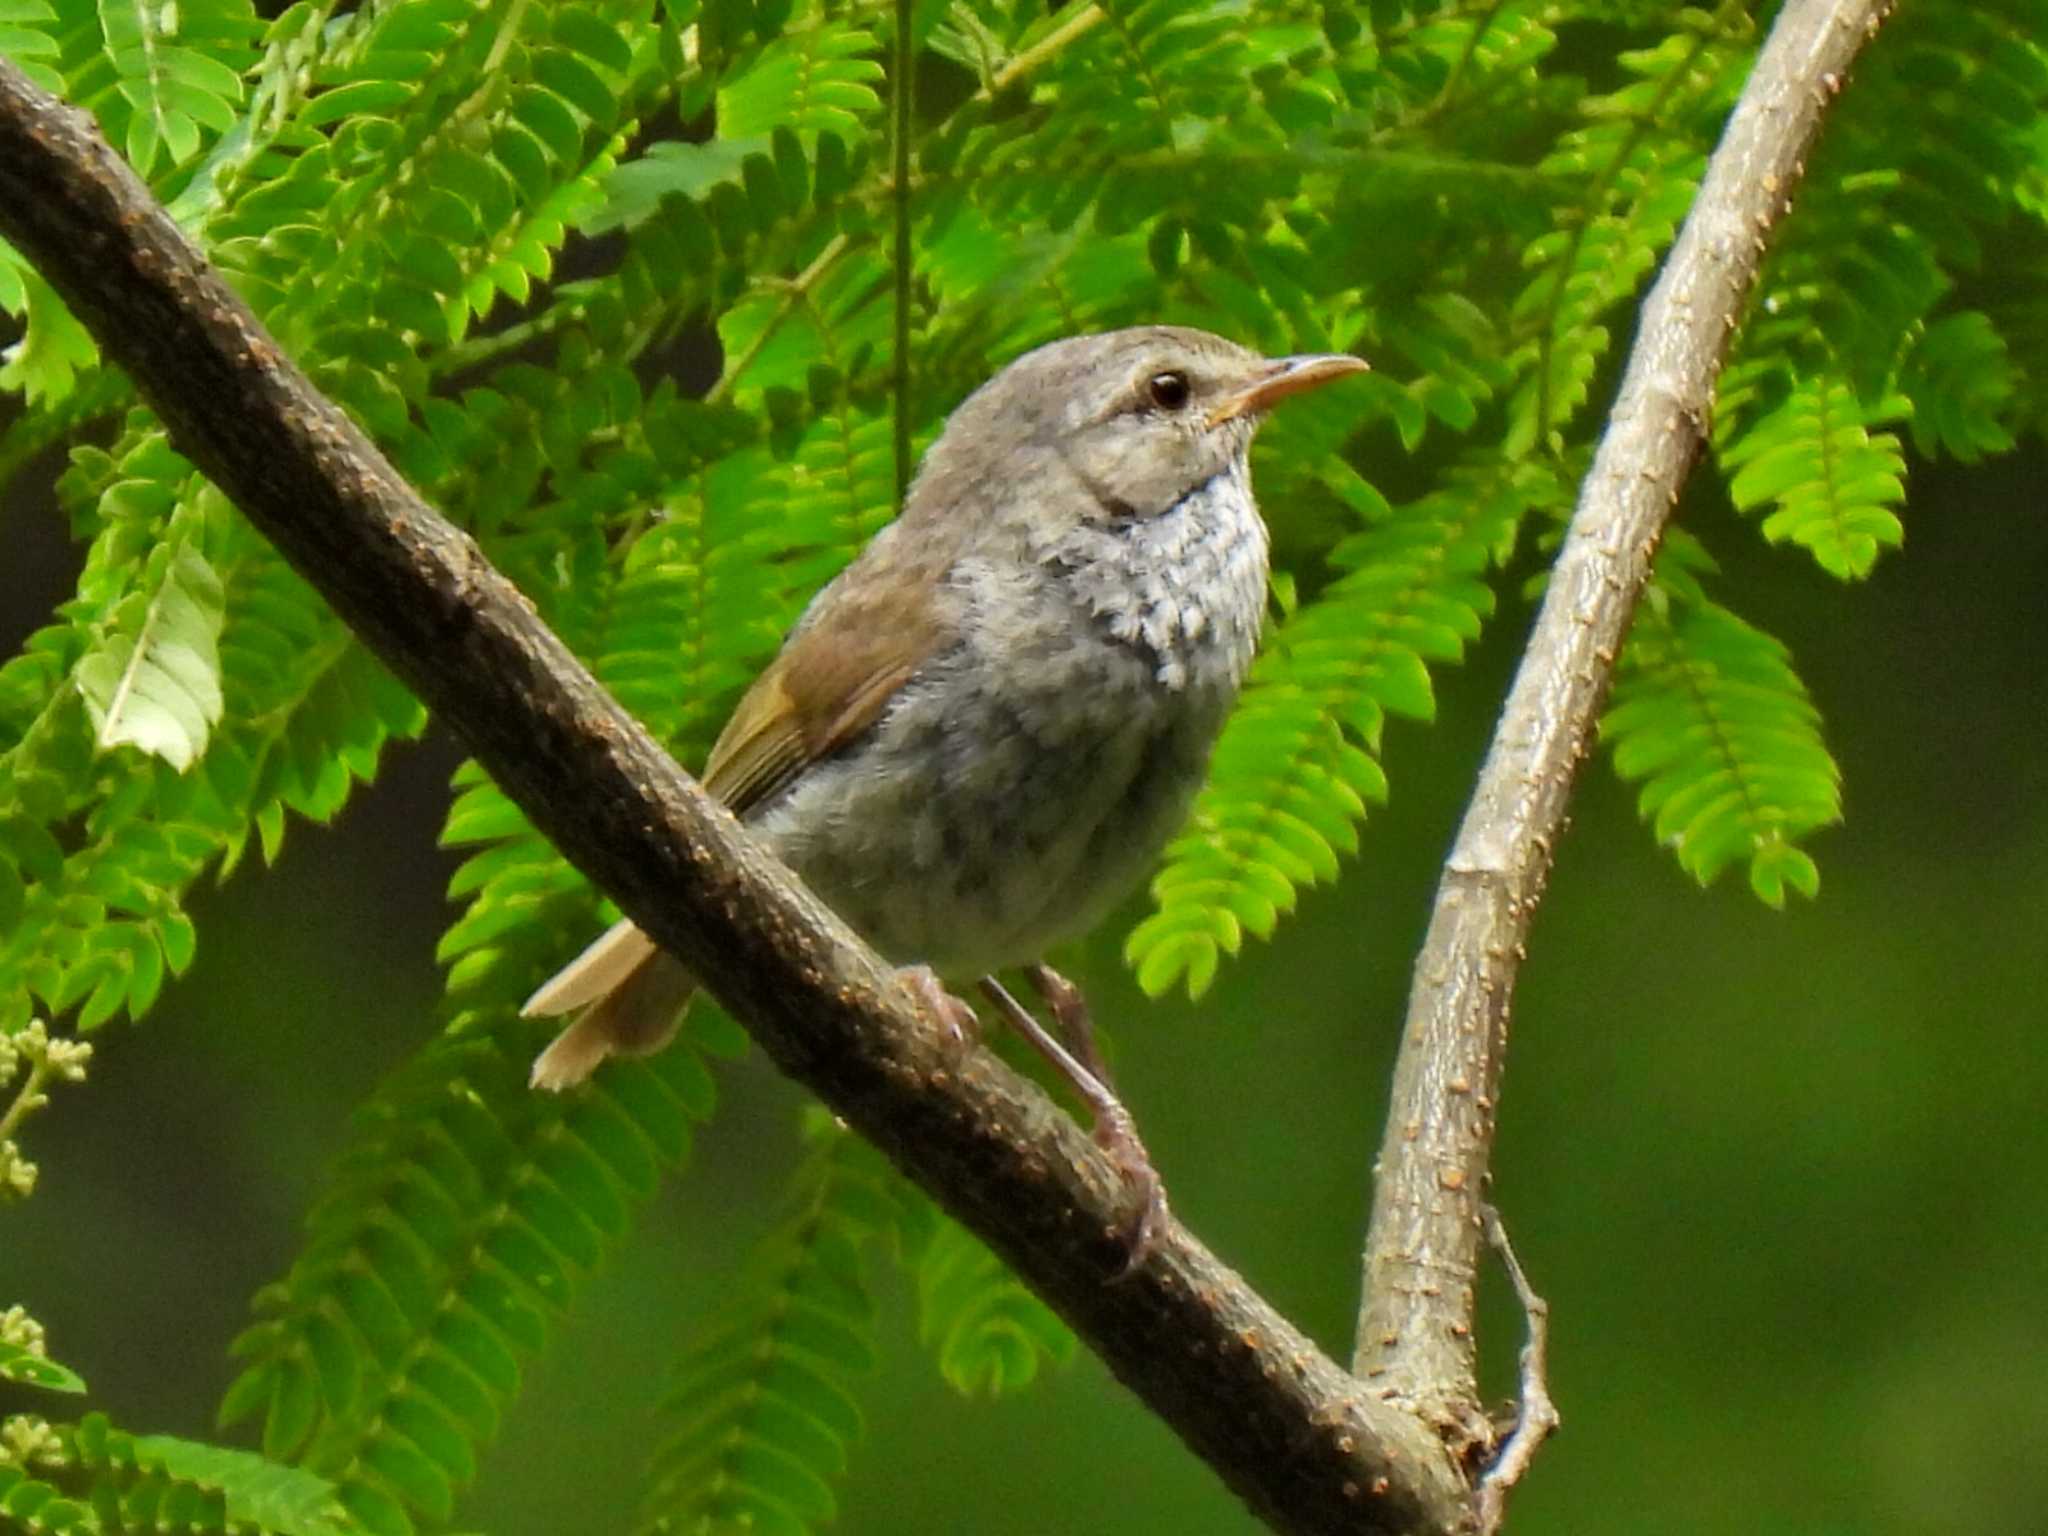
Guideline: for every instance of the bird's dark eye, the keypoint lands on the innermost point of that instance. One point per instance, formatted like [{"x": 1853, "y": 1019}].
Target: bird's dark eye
[{"x": 1169, "y": 390}]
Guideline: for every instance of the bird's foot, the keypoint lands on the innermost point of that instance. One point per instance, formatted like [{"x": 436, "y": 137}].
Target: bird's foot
[
  {"x": 1114, "y": 1130},
  {"x": 1117, "y": 1134},
  {"x": 958, "y": 1020}
]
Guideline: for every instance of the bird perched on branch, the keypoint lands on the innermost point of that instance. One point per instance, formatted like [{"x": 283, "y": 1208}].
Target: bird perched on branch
[{"x": 980, "y": 734}]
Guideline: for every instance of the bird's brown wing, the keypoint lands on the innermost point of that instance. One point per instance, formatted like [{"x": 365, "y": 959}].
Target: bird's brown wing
[{"x": 831, "y": 682}]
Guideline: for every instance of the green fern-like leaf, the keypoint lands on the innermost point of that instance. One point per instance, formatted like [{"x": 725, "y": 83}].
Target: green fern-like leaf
[
  {"x": 691, "y": 616},
  {"x": 44, "y": 365},
  {"x": 410, "y": 197},
  {"x": 103, "y": 924},
  {"x": 763, "y": 1405},
  {"x": 1453, "y": 343},
  {"x": 170, "y": 1477},
  {"x": 1009, "y": 290},
  {"x": 461, "y": 1219},
  {"x": 1828, "y": 480},
  {"x": 28, "y": 36},
  {"x": 163, "y": 80},
  {"x": 1638, "y": 160},
  {"x": 157, "y": 686},
  {"x": 99, "y": 913},
  {"x": 29, "y": 1368},
  {"x": 989, "y": 1334},
  {"x": 523, "y": 897},
  {"x": 31, "y": 1503},
  {"x": 818, "y": 76},
  {"x": 101, "y": 1480},
  {"x": 1962, "y": 381},
  {"x": 1710, "y": 716},
  {"x": 1848, "y": 333},
  {"x": 98, "y": 397},
  {"x": 1052, "y": 166}
]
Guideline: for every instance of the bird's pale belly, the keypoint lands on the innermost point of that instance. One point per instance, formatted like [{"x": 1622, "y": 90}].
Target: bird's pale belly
[{"x": 962, "y": 834}]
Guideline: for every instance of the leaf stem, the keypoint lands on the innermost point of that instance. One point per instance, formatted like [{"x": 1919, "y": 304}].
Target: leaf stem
[
  {"x": 902, "y": 69},
  {"x": 795, "y": 292},
  {"x": 1024, "y": 63}
]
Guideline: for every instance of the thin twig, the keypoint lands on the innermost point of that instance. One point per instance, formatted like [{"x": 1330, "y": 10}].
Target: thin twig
[
  {"x": 1537, "y": 1419},
  {"x": 903, "y": 78},
  {"x": 794, "y": 293},
  {"x": 1046, "y": 47},
  {"x": 1415, "y": 1329}
]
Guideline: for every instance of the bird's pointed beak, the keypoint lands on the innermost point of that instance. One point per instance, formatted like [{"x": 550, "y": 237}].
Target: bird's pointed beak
[{"x": 1283, "y": 376}]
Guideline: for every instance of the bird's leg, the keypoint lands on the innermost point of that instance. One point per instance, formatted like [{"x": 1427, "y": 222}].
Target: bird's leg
[
  {"x": 1114, "y": 1127},
  {"x": 1115, "y": 1132},
  {"x": 1070, "y": 1012},
  {"x": 958, "y": 1019}
]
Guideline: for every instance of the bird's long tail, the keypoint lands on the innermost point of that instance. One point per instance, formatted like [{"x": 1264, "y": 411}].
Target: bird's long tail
[{"x": 628, "y": 998}]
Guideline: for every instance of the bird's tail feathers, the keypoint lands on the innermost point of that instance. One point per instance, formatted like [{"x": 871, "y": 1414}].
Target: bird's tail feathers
[
  {"x": 605, "y": 962},
  {"x": 631, "y": 998}
]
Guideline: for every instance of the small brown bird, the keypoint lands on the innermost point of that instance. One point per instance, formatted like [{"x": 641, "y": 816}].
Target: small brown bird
[{"x": 980, "y": 734}]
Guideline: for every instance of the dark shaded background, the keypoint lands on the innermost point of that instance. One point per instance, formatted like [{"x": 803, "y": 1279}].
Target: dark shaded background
[{"x": 1782, "y": 1176}]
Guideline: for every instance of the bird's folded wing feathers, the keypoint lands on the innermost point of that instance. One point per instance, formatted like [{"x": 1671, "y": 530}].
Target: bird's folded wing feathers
[{"x": 832, "y": 680}]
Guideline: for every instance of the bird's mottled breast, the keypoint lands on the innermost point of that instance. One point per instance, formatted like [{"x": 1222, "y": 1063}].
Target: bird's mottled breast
[{"x": 1182, "y": 591}]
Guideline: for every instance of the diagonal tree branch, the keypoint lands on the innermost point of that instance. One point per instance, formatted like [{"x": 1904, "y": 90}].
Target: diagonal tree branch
[
  {"x": 1286, "y": 1427},
  {"x": 1415, "y": 1329}
]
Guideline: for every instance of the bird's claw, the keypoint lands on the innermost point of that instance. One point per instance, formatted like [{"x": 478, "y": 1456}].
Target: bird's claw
[
  {"x": 960, "y": 1023},
  {"x": 1117, "y": 1135}
]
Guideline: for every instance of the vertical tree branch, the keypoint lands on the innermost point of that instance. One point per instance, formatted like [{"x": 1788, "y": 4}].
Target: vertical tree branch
[{"x": 1414, "y": 1341}]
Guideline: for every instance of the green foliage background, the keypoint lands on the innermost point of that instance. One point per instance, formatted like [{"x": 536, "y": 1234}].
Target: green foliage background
[{"x": 1771, "y": 1169}]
